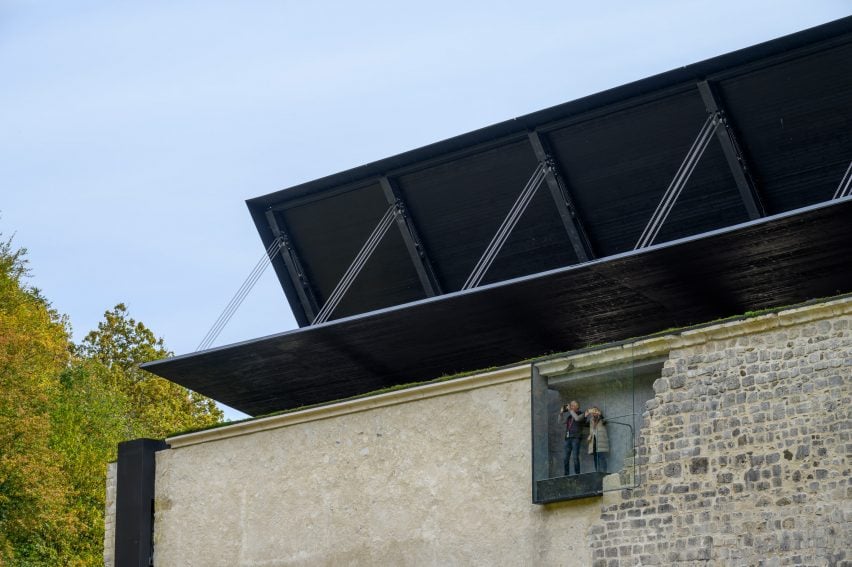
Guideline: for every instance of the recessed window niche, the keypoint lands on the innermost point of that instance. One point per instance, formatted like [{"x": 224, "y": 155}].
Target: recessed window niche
[{"x": 616, "y": 384}]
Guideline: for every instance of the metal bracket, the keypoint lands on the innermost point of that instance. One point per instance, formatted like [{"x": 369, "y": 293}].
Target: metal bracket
[
  {"x": 843, "y": 190},
  {"x": 505, "y": 228}
]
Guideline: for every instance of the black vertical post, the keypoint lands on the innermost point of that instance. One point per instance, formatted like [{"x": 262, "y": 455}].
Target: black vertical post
[{"x": 134, "y": 502}]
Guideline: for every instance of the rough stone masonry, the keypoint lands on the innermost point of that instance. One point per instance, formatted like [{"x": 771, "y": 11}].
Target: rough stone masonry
[{"x": 743, "y": 457}]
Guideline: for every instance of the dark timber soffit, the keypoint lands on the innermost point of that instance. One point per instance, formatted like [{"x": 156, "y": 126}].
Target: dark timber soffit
[
  {"x": 782, "y": 142},
  {"x": 770, "y": 262}
]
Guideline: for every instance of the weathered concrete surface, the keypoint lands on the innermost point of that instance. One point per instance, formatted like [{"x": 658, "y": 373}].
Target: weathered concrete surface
[
  {"x": 743, "y": 460},
  {"x": 441, "y": 481}
]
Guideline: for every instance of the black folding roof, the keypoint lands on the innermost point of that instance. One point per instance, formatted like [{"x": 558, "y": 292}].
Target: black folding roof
[
  {"x": 755, "y": 227},
  {"x": 788, "y": 104},
  {"x": 766, "y": 263}
]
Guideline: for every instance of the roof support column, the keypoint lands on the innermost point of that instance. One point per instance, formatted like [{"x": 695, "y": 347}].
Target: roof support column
[
  {"x": 562, "y": 198},
  {"x": 303, "y": 288},
  {"x": 733, "y": 153},
  {"x": 413, "y": 244}
]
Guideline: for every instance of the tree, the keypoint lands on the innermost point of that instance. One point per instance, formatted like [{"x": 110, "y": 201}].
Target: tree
[
  {"x": 35, "y": 525},
  {"x": 88, "y": 420},
  {"x": 157, "y": 407},
  {"x": 63, "y": 410}
]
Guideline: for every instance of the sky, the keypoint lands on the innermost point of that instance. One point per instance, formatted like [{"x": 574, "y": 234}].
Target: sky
[{"x": 131, "y": 133}]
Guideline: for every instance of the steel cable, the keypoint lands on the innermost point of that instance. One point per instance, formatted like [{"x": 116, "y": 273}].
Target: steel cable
[
  {"x": 684, "y": 172},
  {"x": 356, "y": 266},
  {"x": 845, "y": 183},
  {"x": 505, "y": 229},
  {"x": 353, "y": 269},
  {"x": 239, "y": 296}
]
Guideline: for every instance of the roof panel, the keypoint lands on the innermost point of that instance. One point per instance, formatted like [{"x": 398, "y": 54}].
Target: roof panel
[
  {"x": 795, "y": 122},
  {"x": 789, "y": 102},
  {"x": 618, "y": 167},
  {"x": 459, "y": 205},
  {"x": 771, "y": 262}
]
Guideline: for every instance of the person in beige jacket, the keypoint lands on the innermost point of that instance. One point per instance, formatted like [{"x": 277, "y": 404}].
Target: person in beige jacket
[{"x": 598, "y": 439}]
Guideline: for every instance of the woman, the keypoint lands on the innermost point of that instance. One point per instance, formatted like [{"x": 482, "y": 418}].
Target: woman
[{"x": 598, "y": 440}]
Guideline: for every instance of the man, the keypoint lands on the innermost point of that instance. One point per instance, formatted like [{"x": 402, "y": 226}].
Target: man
[{"x": 573, "y": 419}]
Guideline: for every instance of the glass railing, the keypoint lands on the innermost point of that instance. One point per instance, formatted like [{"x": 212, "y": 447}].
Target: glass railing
[{"x": 615, "y": 388}]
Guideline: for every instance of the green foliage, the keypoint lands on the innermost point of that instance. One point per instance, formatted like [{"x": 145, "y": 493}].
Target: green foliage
[
  {"x": 34, "y": 521},
  {"x": 89, "y": 419},
  {"x": 158, "y": 407},
  {"x": 63, "y": 410}
]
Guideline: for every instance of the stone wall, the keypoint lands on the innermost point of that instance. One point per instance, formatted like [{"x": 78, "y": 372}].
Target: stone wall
[
  {"x": 109, "y": 515},
  {"x": 743, "y": 456}
]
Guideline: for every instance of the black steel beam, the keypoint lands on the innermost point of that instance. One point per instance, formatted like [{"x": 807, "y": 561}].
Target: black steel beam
[
  {"x": 562, "y": 198},
  {"x": 412, "y": 240},
  {"x": 733, "y": 154},
  {"x": 134, "y": 502},
  {"x": 307, "y": 299}
]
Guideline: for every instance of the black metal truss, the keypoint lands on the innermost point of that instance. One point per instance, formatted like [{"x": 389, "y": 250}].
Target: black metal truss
[
  {"x": 562, "y": 198},
  {"x": 304, "y": 290},
  {"x": 733, "y": 153},
  {"x": 413, "y": 243}
]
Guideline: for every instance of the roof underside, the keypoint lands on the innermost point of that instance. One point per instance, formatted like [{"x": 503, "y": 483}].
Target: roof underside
[
  {"x": 761, "y": 264},
  {"x": 788, "y": 106}
]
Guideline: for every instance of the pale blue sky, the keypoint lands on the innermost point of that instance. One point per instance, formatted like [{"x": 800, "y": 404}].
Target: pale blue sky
[{"x": 132, "y": 132}]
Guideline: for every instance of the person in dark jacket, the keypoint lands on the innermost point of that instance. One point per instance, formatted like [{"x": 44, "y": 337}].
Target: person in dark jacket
[{"x": 572, "y": 417}]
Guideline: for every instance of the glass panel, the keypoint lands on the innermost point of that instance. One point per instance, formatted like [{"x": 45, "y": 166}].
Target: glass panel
[{"x": 615, "y": 391}]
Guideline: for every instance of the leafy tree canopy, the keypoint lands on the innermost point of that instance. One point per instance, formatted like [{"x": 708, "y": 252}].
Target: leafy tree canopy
[{"x": 63, "y": 410}]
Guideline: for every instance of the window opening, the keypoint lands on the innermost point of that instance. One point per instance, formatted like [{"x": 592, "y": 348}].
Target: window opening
[{"x": 619, "y": 391}]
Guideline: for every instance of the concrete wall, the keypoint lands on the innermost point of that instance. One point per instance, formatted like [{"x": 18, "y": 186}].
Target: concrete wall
[
  {"x": 442, "y": 480},
  {"x": 743, "y": 459}
]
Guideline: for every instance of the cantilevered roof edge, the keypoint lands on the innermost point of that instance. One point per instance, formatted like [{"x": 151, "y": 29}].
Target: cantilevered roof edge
[
  {"x": 842, "y": 202},
  {"x": 720, "y": 67},
  {"x": 780, "y": 260}
]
